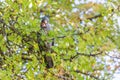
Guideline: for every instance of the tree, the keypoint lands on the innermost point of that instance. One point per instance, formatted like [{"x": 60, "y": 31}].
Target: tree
[{"x": 82, "y": 33}]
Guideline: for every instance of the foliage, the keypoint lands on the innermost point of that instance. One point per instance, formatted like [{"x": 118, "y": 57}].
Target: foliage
[{"x": 82, "y": 32}]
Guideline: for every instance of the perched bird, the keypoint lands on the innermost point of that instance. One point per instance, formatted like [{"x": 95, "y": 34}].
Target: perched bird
[{"x": 45, "y": 45}]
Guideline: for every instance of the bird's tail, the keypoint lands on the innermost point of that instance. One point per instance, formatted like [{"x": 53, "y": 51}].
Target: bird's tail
[{"x": 49, "y": 61}]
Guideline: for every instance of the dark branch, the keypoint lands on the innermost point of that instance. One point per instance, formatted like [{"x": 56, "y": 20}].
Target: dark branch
[
  {"x": 94, "y": 17},
  {"x": 83, "y": 54},
  {"x": 87, "y": 74}
]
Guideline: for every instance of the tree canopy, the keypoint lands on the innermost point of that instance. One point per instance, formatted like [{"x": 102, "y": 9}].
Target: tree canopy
[{"x": 83, "y": 32}]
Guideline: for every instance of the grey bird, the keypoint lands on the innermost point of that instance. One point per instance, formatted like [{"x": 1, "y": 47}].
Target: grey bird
[{"x": 44, "y": 45}]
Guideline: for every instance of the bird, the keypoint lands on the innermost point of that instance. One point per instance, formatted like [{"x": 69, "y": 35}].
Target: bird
[{"x": 44, "y": 45}]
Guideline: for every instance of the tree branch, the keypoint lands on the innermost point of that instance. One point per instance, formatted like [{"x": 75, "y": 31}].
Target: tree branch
[
  {"x": 83, "y": 54},
  {"x": 87, "y": 74}
]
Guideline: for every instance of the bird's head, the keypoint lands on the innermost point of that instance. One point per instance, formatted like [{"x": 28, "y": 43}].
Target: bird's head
[{"x": 44, "y": 22}]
